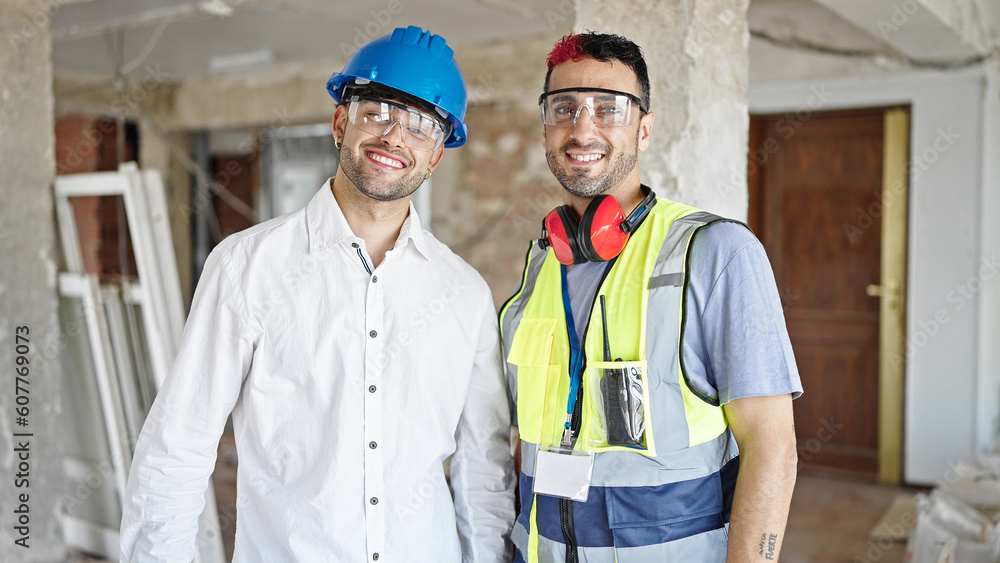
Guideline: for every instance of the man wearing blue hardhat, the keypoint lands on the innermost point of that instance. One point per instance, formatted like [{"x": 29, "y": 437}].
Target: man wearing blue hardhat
[{"x": 356, "y": 353}]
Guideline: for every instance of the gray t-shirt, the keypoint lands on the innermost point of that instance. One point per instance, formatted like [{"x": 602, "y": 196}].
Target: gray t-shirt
[{"x": 735, "y": 342}]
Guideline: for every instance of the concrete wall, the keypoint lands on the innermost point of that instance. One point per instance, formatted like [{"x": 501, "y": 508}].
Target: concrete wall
[
  {"x": 697, "y": 57},
  {"x": 31, "y": 465}
]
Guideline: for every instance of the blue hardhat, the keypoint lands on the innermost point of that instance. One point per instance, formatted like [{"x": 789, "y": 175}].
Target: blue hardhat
[{"x": 414, "y": 61}]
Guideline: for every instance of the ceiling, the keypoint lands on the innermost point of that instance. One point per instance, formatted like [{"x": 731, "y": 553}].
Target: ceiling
[
  {"x": 185, "y": 38},
  {"x": 181, "y": 39}
]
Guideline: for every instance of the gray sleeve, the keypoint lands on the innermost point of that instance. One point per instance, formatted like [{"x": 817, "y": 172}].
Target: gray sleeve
[{"x": 735, "y": 342}]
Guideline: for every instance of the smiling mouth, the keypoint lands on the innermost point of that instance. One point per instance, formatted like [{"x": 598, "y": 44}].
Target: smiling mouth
[
  {"x": 584, "y": 158},
  {"x": 385, "y": 160}
]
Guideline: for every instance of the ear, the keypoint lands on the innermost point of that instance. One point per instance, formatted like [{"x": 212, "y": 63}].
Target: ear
[
  {"x": 436, "y": 158},
  {"x": 646, "y": 130},
  {"x": 339, "y": 125}
]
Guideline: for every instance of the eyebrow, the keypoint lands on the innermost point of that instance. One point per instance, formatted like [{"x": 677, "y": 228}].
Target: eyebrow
[
  {"x": 563, "y": 98},
  {"x": 602, "y": 97}
]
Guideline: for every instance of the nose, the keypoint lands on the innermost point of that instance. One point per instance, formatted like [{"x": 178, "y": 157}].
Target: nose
[
  {"x": 396, "y": 139},
  {"x": 584, "y": 127}
]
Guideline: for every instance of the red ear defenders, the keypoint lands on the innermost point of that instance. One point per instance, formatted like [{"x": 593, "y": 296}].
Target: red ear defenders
[{"x": 599, "y": 235}]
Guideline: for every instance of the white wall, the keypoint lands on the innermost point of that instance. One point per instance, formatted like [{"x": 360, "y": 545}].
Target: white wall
[{"x": 951, "y": 399}]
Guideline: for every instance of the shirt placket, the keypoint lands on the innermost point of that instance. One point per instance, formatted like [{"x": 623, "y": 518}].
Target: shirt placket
[{"x": 374, "y": 474}]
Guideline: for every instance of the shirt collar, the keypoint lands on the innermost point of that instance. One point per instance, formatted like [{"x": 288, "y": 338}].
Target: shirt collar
[{"x": 328, "y": 227}]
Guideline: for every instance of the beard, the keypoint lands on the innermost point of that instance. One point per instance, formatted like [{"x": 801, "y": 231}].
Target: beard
[
  {"x": 375, "y": 182},
  {"x": 619, "y": 166}
]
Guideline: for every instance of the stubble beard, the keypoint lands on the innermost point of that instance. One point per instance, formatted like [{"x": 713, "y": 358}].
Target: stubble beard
[
  {"x": 619, "y": 167},
  {"x": 370, "y": 180}
]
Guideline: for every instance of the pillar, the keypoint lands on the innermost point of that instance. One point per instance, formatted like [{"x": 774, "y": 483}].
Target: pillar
[{"x": 31, "y": 463}]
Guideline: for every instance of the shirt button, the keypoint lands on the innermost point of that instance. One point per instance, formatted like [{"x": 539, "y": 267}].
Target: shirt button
[
  {"x": 372, "y": 445},
  {"x": 375, "y": 557},
  {"x": 355, "y": 245},
  {"x": 371, "y": 388},
  {"x": 374, "y": 279},
  {"x": 374, "y": 500},
  {"x": 373, "y": 334}
]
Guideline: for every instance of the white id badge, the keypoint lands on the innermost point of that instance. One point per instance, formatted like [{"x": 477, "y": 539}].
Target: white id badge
[{"x": 564, "y": 474}]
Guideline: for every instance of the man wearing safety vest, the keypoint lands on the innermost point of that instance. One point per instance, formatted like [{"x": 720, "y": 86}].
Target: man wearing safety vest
[
  {"x": 647, "y": 356},
  {"x": 355, "y": 352}
]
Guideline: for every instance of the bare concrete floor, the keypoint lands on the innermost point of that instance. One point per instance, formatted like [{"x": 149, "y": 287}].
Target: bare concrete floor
[{"x": 831, "y": 518}]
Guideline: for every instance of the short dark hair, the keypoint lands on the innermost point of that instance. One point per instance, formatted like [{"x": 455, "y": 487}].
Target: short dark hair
[
  {"x": 602, "y": 47},
  {"x": 382, "y": 92}
]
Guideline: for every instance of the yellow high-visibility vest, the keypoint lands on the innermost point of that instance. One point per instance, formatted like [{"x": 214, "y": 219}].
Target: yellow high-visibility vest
[{"x": 686, "y": 447}]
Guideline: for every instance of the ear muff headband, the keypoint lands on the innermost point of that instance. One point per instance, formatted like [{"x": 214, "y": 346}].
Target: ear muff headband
[{"x": 639, "y": 213}]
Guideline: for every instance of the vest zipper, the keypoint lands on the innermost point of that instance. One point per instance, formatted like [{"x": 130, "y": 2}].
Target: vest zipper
[
  {"x": 566, "y": 505},
  {"x": 569, "y": 533}
]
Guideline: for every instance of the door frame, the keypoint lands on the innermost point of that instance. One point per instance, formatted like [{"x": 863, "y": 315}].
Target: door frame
[{"x": 892, "y": 293}]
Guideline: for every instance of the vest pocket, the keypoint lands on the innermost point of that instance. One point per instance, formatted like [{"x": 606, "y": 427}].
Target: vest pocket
[
  {"x": 665, "y": 513},
  {"x": 531, "y": 351},
  {"x": 617, "y": 408}
]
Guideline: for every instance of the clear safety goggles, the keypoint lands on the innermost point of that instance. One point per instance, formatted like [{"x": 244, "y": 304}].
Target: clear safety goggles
[
  {"x": 608, "y": 108},
  {"x": 420, "y": 131}
]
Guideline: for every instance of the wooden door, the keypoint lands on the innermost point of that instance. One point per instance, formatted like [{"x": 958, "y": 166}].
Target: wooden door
[{"x": 815, "y": 183}]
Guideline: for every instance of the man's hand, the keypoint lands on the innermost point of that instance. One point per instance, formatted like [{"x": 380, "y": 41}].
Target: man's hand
[{"x": 765, "y": 432}]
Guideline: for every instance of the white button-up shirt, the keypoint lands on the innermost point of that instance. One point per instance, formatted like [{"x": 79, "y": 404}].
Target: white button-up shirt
[{"x": 349, "y": 386}]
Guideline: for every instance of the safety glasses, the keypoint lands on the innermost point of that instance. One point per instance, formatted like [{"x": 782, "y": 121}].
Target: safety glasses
[
  {"x": 420, "y": 131},
  {"x": 608, "y": 108}
]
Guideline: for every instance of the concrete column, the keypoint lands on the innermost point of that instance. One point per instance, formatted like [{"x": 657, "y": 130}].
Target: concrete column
[
  {"x": 697, "y": 55},
  {"x": 28, "y": 296}
]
